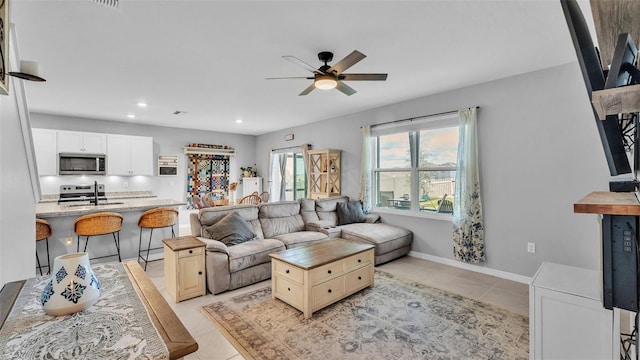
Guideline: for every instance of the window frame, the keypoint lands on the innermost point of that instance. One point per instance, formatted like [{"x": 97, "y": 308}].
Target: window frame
[{"x": 413, "y": 130}]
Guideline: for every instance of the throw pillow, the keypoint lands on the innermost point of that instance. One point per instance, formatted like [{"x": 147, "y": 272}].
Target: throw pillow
[
  {"x": 350, "y": 212},
  {"x": 232, "y": 229}
]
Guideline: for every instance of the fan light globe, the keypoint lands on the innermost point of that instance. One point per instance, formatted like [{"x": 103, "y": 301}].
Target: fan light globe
[{"x": 325, "y": 82}]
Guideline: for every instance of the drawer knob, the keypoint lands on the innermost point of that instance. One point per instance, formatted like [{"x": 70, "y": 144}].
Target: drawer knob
[
  {"x": 329, "y": 291},
  {"x": 288, "y": 289},
  {"x": 199, "y": 272},
  {"x": 329, "y": 273},
  {"x": 359, "y": 260},
  {"x": 359, "y": 277},
  {"x": 190, "y": 251},
  {"x": 287, "y": 271}
]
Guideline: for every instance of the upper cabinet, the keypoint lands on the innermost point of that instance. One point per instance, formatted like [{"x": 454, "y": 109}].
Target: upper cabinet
[
  {"x": 81, "y": 142},
  {"x": 45, "y": 143},
  {"x": 129, "y": 155}
]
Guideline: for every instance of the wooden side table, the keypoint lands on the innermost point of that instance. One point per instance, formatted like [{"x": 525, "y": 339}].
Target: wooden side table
[{"x": 184, "y": 275}]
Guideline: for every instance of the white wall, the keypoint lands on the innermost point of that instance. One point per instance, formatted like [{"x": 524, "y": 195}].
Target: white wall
[
  {"x": 165, "y": 141},
  {"x": 17, "y": 202},
  {"x": 539, "y": 153}
]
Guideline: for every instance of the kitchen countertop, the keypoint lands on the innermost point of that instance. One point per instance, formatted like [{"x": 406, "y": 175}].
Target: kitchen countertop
[
  {"x": 52, "y": 209},
  {"x": 47, "y": 198}
]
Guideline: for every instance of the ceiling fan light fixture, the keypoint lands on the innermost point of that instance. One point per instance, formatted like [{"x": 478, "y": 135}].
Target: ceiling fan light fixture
[{"x": 325, "y": 82}]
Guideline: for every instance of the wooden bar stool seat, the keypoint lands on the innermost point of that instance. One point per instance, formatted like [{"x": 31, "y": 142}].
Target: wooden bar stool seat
[
  {"x": 101, "y": 223},
  {"x": 155, "y": 219},
  {"x": 43, "y": 231}
]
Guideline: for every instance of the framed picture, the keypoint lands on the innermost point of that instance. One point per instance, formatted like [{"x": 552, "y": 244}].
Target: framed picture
[{"x": 4, "y": 46}]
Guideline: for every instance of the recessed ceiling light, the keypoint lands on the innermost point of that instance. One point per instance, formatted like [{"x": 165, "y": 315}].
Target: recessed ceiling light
[
  {"x": 141, "y": 104},
  {"x": 131, "y": 116},
  {"x": 239, "y": 121}
]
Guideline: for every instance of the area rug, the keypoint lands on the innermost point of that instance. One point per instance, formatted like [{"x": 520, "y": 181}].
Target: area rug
[{"x": 396, "y": 319}]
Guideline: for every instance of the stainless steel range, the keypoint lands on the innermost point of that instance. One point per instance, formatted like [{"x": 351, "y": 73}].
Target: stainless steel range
[{"x": 82, "y": 193}]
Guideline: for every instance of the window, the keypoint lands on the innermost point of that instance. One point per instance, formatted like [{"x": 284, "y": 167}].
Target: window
[{"x": 414, "y": 165}]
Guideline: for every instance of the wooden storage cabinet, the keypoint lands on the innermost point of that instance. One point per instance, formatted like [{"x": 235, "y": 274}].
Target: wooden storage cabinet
[
  {"x": 324, "y": 173},
  {"x": 251, "y": 185},
  {"x": 566, "y": 316},
  {"x": 184, "y": 273}
]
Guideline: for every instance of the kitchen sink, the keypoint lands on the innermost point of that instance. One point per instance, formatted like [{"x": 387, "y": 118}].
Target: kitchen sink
[{"x": 99, "y": 204}]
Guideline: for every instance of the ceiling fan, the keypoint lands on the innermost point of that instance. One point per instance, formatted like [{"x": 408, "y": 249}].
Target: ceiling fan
[{"x": 331, "y": 77}]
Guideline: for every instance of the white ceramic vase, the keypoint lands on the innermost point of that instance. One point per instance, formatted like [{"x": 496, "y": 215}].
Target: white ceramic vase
[{"x": 73, "y": 285}]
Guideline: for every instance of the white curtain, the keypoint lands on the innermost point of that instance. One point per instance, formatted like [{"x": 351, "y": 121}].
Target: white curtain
[
  {"x": 305, "y": 159},
  {"x": 282, "y": 159},
  {"x": 365, "y": 169},
  {"x": 275, "y": 179},
  {"x": 468, "y": 225}
]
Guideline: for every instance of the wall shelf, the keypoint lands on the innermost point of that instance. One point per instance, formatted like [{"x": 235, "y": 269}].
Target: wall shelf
[{"x": 608, "y": 203}]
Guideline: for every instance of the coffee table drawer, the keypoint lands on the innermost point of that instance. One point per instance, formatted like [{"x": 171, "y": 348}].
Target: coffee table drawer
[
  {"x": 289, "y": 291},
  {"x": 289, "y": 271},
  {"x": 358, "y": 260},
  {"x": 327, "y": 293},
  {"x": 326, "y": 272},
  {"x": 358, "y": 279}
]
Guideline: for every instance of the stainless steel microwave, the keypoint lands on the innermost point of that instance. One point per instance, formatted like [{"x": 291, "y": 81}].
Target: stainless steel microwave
[{"x": 81, "y": 164}]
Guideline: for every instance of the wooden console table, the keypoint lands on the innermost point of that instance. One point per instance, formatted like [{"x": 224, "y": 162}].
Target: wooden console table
[{"x": 175, "y": 336}]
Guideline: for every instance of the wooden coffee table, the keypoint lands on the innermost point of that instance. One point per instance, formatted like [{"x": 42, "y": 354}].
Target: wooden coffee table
[{"x": 310, "y": 278}]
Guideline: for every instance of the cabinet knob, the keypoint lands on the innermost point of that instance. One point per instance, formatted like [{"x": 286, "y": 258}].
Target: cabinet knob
[
  {"x": 199, "y": 272},
  {"x": 287, "y": 271},
  {"x": 288, "y": 289},
  {"x": 359, "y": 260},
  {"x": 329, "y": 273},
  {"x": 359, "y": 277},
  {"x": 329, "y": 291},
  {"x": 190, "y": 251}
]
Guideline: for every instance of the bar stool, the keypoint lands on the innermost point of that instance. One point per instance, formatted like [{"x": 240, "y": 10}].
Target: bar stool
[
  {"x": 155, "y": 219},
  {"x": 101, "y": 223},
  {"x": 43, "y": 231}
]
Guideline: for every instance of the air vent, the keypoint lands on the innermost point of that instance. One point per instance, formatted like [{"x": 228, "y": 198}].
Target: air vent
[
  {"x": 179, "y": 112},
  {"x": 107, "y": 3}
]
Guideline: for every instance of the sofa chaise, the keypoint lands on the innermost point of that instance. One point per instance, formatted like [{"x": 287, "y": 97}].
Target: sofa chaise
[{"x": 239, "y": 238}]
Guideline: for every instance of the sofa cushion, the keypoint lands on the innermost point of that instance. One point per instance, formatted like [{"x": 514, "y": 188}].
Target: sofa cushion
[
  {"x": 308, "y": 210},
  {"x": 350, "y": 212},
  {"x": 301, "y": 238},
  {"x": 210, "y": 216},
  {"x": 282, "y": 217},
  {"x": 232, "y": 229},
  {"x": 385, "y": 237},
  {"x": 326, "y": 208},
  {"x": 252, "y": 253}
]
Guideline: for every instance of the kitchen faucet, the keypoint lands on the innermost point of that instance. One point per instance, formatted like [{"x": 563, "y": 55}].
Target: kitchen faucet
[{"x": 95, "y": 193}]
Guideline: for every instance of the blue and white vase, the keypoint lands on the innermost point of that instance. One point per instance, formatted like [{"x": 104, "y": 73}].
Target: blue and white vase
[{"x": 73, "y": 285}]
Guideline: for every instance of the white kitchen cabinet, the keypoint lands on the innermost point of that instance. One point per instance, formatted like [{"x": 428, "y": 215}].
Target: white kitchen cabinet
[
  {"x": 129, "y": 155},
  {"x": 82, "y": 142},
  {"x": 45, "y": 143},
  {"x": 566, "y": 316},
  {"x": 251, "y": 185}
]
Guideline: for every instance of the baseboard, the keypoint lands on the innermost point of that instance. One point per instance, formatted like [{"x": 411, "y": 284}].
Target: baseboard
[{"x": 488, "y": 271}]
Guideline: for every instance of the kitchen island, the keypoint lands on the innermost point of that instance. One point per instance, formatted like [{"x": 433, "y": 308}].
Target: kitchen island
[{"x": 63, "y": 239}]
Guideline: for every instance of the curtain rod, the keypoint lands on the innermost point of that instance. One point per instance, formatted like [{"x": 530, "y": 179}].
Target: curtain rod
[
  {"x": 422, "y": 116},
  {"x": 286, "y": 148}
]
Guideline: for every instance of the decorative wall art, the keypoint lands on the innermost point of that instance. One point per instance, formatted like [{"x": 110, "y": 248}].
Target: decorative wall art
[
  {"x": 4, "y": 46},
  {"x": 207, "y": 173}
]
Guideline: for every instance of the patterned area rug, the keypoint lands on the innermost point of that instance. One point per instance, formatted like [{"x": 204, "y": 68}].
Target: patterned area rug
[{"x": 396, "y": 319}]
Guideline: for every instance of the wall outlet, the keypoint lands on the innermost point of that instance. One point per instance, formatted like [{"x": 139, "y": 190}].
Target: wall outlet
[
  {"x": 531, "y": 247},
  {"x": 125, "y": 184}
]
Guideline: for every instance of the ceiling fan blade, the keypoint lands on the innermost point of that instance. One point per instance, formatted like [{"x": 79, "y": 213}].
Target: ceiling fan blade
[
  {"x": 307, "y": 90},
  {"x": 347, "y": 62},
  {"x": 301, "y": 63},
  {"x": 346, "y": 89},
  {"x": 363, "y": 77},
  {"x": 289, "y": 77}
]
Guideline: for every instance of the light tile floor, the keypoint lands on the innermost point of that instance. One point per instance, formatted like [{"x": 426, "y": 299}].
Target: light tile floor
[{"x": 212, "y": 344}]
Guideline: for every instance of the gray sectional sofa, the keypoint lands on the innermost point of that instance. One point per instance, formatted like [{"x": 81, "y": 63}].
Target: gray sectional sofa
[{"x": 240, "y": 238}]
